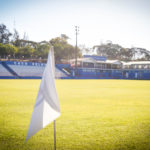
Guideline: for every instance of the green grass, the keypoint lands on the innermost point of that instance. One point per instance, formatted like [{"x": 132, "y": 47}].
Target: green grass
[{"x": 95, "y": 115}]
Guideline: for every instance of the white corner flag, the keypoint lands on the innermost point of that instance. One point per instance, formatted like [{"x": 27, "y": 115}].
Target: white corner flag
[{"x": 46, "y": 108}]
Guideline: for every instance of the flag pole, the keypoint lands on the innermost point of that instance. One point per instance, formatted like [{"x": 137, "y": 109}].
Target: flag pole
[{"x": 54, "y": 135}]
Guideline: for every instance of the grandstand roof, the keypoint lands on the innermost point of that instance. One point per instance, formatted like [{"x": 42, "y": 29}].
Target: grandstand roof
[
  {"x": 91, "y": 60},
  {"x": 137, "y": 63},
  {"x": 117, "y": 62}
]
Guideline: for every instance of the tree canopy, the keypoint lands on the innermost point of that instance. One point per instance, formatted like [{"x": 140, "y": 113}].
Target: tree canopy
[
  {"x": 115, "y": 51},
  {"x": 22, "y": 48},
  {"x": 62, "y": 49},
  {"x": 4, "y": 34},
  {"x": 13, "y": 46}
]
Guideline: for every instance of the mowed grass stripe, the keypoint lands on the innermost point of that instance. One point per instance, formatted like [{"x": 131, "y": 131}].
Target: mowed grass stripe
[{"x": 95, "y": 115}]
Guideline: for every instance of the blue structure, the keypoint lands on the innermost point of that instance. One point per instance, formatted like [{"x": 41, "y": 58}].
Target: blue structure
[
  {"x": 98, "y": 67},
  {"x": 88, "y": 68},
  {"x": 100, "y": 58},
  {"x": 25, "y": 70},
  {"x": 112, "y": 74}
]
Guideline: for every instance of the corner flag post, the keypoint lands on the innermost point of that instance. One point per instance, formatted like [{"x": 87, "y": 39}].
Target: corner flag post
[
  {"x": 46, "y": 108},
  {"x": 54, "y": 135}
]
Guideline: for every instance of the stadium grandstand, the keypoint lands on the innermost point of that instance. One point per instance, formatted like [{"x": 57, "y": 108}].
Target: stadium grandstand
[
  {"x": 25, "y": 70},
  {"x": 98, "y": 67},
  {"x": 88, "y": 67}
]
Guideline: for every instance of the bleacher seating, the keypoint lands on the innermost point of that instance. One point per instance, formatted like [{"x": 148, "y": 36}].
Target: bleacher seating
[
  {"x": 25, "y": 70},
  {"x": 34, "y": 70},
  {"x": 59, "y": 74},
  {"x": 4, "y": 72}
]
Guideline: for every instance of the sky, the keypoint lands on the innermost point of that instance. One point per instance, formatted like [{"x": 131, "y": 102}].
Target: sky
[{"x": 124, "y": 22}]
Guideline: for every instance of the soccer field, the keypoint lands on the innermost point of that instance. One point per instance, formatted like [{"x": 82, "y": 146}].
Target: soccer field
[{"x": 95, "y": 115}]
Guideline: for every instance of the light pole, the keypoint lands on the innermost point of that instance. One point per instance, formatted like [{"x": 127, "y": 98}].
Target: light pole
[{"x": 76, "y": 49}]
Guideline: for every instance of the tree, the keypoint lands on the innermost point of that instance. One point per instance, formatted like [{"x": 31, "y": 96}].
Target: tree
[
  {"x": 16, "y": 39},
  {"x": 62, "y": 49},
  {"x": 114, "y": 51},
  {"x": 2, "y": 50},
  {"x": 4, "y": 34},
  {"x": 25, "y": 52},
  {"x": 42, "y": 50},
  {"x": 64, "y": 36},
  {"x": 7, "y": 49}
]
